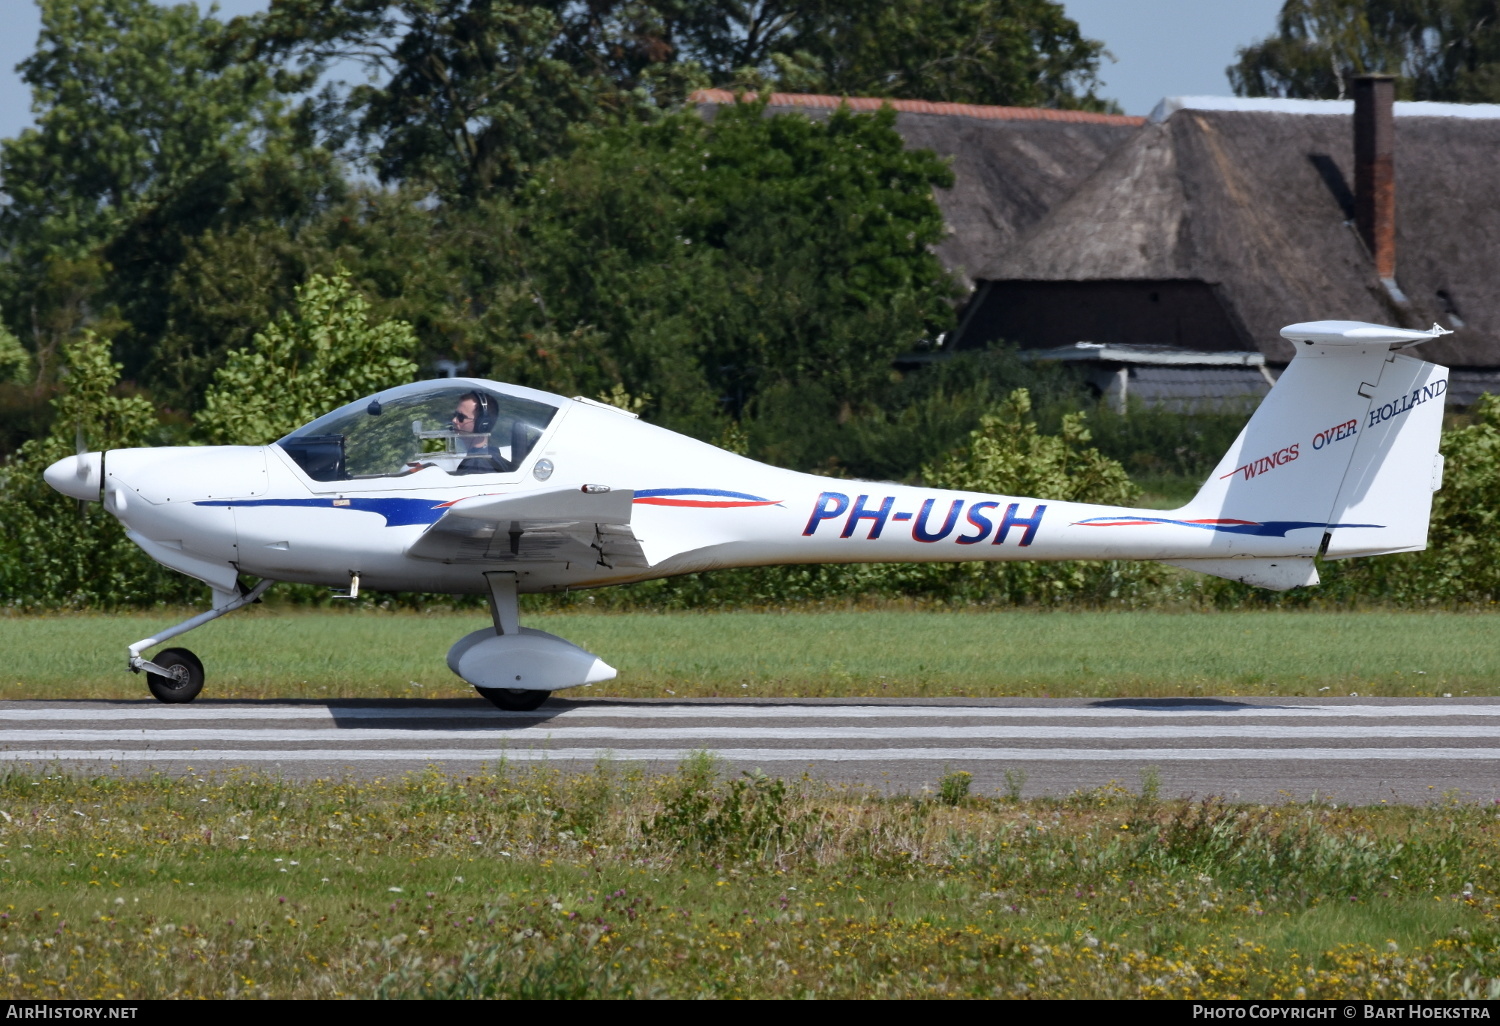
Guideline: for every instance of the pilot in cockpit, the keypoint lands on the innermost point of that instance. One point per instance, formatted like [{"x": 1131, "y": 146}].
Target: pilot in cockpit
[
  {"x": 473, "y": 420},
  {"x": 425, "y": 426}
]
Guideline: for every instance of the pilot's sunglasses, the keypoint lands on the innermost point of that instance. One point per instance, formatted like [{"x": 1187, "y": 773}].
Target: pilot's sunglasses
[{"x": 460, "y": 416}]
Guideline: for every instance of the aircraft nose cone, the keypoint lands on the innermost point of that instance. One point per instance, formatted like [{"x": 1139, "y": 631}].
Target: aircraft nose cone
[{"x": 78, "y": 477}]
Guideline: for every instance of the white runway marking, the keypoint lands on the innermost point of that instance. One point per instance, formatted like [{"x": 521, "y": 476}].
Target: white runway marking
[
  {"x": 1262, "y": 748},
  {"x": 651, "y": 711},
  {"x": 751, "y": 756},
  {"x": 690, "y": 735}
]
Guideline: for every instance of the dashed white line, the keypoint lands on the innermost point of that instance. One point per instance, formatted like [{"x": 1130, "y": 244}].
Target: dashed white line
[
  {"x": 540, "y": 733},
  {"x": 758, "y": 755},
  {"x": 217, "y": 713}
]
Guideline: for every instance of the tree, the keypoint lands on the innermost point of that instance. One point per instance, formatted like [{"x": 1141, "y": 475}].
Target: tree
[
  {"x": 15, "y": 361},
  {"x": 699, "y": 263},
  {"x": 145, "y": 136},
  {"x": 1439, "y": 49},
  {"x": 468, "y": 96},
  {"x": 1023, "y": 53},
  {"x": 455, "y": 273},
  {"x": 305, "y": 364},
  {"x": 718, "y": 260},
  {"x": 403, "y": 257},
  {"x": 472, "y": 92},
  {"x": 55, "y": 553}
]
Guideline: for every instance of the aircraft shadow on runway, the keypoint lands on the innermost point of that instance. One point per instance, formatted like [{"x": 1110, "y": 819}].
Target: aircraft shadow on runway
[
  {"x": 1194, "y": 704},
  {"x": 474, "y": 715},
  {"x": 444, "y": 714}
]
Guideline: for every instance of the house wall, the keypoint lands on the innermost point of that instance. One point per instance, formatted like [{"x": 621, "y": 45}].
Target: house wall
[{"x": 1048, "y": 314}]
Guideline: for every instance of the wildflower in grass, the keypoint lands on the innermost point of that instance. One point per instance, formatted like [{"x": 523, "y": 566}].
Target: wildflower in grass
[
  {"x": 954, "y": 786},
  {"x": 892, "y": 897}
]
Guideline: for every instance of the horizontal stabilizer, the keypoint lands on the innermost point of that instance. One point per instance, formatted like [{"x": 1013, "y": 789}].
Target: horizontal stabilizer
[
  {"x": 1358, "y": 333},
  {"x": 1272, "y": 574}
]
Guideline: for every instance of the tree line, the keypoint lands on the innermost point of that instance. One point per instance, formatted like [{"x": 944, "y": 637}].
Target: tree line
[
  {"x": 218, "y": 229},
  {"x": 1438, "y": 50},
  {"x": 523, "y": 182}
]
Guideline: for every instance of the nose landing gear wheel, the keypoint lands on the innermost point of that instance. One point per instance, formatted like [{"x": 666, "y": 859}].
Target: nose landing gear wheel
[
  {"x": 514, "y": 699},
  {"x": 186, "y": 678}
]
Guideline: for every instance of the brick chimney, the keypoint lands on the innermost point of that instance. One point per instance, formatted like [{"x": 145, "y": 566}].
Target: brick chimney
[{"x": 1375, "y": 170}]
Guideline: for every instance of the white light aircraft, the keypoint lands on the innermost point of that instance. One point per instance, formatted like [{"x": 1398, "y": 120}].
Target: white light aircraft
[{"x": 466, "y": 486}]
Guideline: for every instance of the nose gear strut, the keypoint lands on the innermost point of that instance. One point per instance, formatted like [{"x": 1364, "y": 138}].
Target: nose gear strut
[{"x": 182, "y": 679}]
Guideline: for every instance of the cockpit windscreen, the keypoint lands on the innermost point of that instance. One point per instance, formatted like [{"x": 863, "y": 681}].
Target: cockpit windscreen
[{"x": 460, "y": 430}]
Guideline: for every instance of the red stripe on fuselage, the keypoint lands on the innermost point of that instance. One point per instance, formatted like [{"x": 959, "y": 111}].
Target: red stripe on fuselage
[{"x": 705, "y": 503}]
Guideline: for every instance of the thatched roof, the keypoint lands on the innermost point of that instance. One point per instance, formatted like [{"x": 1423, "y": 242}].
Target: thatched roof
[
  {"x": 1258, "y": 204},
  {"x": 1010, "y": 164}
]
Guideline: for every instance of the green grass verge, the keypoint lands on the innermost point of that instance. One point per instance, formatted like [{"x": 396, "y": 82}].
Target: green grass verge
[
  {"x": 536, "y": 883},
  {"x": 373, "y": 653}
]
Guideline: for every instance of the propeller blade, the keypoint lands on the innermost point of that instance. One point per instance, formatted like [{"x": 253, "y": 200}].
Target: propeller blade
[{"x": 79, "y": 448}]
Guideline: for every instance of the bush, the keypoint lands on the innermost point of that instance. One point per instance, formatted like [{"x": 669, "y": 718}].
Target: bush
[
  {"x": 1009, "y": 455},
  {"x": 1461, "y": 563},
  {"x": 745, "y": 818},
  {"x": 1168, "y": 453},
  {"x": 954, "y": 786},
  {"x": 891, "y": 431},
  {"x": 55, "y": 552},
  {"x": 329, "y": 352}
]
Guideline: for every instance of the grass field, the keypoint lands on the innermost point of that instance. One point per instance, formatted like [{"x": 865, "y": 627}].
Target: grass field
[
  {"x": 538, "y": 883},
  {"x": 610, "y": 884},
  {"x": 372, "y": 653}
]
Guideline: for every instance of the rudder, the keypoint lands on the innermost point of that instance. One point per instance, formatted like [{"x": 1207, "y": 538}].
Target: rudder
[
  {"x": 1333, "y": 449},
  {"x": 1396, "y": 464}
]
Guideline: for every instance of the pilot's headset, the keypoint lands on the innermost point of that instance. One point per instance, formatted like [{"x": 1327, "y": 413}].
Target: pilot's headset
[{"x": 485, "y": 411}]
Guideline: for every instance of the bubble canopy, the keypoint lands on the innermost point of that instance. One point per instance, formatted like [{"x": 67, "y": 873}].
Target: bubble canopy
[{"x": 461, "y": 426}]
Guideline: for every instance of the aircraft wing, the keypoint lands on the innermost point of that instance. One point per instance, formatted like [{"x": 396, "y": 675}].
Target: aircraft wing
[{"x": 563, "y": 526}]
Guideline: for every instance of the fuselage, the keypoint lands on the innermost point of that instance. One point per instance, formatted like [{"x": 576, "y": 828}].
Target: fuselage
[
  {"x": 466, "y": 485},
  {"x": 257, "y": 510}
]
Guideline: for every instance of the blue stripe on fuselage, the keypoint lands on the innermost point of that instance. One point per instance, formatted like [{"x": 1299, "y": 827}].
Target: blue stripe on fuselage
[
  {"x": 1269, "y": 529},
  {"x": 397, "y": 512}
]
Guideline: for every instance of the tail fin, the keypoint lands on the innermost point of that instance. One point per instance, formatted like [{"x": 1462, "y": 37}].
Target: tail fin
[{"x": 1347, "y": 441}]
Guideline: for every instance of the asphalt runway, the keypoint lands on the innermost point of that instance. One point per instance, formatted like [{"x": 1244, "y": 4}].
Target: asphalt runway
[{"x": 1343, "y": 750}]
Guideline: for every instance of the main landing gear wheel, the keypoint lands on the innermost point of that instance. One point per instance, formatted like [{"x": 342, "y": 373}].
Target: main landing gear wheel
[
  {"x": 512, "y": 699},
  {"x": 185, "y": 680}
]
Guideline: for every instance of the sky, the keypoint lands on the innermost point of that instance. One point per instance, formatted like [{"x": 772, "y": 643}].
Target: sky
[
  {"x": 1170, "y": 47},
  {"x": 1161, "y": 47}
]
